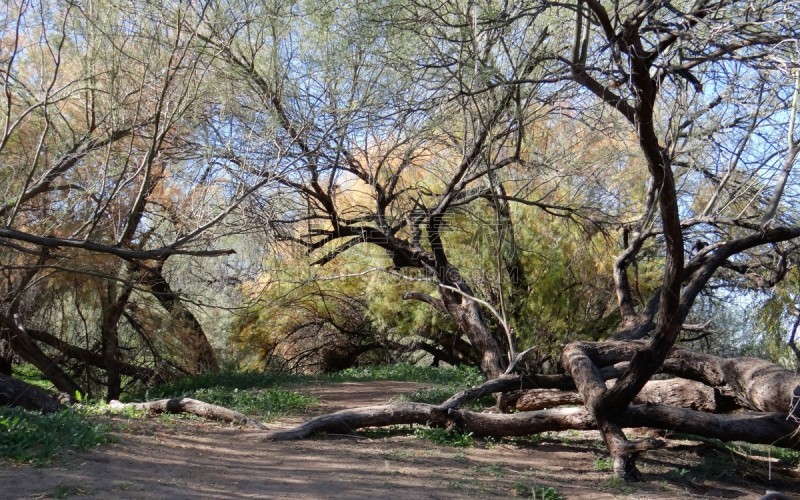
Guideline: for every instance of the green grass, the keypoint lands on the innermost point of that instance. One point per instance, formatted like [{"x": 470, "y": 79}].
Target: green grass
[
  {"x": 788, "y": 456},
  {"x": 251, "y": 393},
  {"x": 537, "y": 491},
  {"x": 230, "y": 380},
  {"x": 603, "y": 463},
  {"x": 38, "y": 439},
  {"x": 30, "y": 374},
  {"x": 444, "y": 437},
  {"x": 268, "y": 404},
  {"x": 461, "y": 376}
]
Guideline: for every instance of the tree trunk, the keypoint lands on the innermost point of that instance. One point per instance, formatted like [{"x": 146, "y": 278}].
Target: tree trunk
[
  {"x": 26, "y": 348},
  {"x": 92, "y": 358},
  {"x": 15, "y": 392},
  {"x": 755, "y": 383},
  {"x": 203, "y": 355},
  {"x": 6, "y": 355},
  {"x": 469, "y": 317},
  {"x": 113, "y": 306}
]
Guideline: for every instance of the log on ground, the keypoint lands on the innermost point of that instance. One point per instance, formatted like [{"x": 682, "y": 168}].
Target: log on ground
[
  {"x": 763, "y": 428},
  {"x": 194, "y": 407},
  {"x": 15, "y": 392}
]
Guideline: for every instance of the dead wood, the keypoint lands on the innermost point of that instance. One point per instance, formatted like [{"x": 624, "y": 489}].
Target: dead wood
[
  {"x": 194, "y": 407},
  {"x": 766, "y": 428},
  {"x": 507, "y": 383},
  {"x": 15, "y": 392},
  {"x": 674, "y": 392},
  {"x": 346, "y": 421},
  {"x": 756, "y": 384}
]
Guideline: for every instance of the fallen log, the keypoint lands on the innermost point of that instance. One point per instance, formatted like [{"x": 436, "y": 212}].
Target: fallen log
[
  {"x": 346, "y": 421},
  {"x": 191, "y": 406},
  {"x": 15, "y": 392},
  {"x": 756, "y": 384},
  {"x": 507, "y": 383},
  {"x": 673, "y": 392},
  {"x": 763, "y": 428}
]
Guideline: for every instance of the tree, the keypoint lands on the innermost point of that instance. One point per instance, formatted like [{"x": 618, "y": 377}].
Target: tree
[{"x": 676, "y": 74}]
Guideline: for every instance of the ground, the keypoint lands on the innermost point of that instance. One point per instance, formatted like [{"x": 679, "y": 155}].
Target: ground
[{"x": 188, "y": 458}]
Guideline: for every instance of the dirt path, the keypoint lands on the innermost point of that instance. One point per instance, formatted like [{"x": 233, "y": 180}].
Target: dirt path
[{"x": 181, "y": 458}]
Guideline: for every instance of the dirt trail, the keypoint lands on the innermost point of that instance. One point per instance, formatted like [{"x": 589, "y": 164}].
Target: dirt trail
[{"x": 180, "y": 458}]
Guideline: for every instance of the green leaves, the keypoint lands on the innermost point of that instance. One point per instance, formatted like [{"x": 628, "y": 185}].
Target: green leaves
[{"x": 35, "y": 438}]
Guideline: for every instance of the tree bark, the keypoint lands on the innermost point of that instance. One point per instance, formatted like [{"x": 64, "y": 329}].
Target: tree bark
[
  {"x": 6, "y": 355},
  {"x": 92, "y": 358},
  {"x": 113, "y": 305},
  {"x": 469, "y": 317}
]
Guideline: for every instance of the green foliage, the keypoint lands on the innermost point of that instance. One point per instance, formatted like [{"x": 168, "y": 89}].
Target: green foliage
[
  {"x": 256, "y": 393},
  {"x": 35, "y": 438},
  {"x": 603, "y": 464},
  {"x": 266, "y": 403},
  {"x": 616, "y": 484},
  {"x": 438, "y": 395},
  {"x": 460, "y": 376},
  {"x": 787, "y": 456},
  {"x": 776, "y": 316},
  {"x": 30, "y": 374},
  {"x": 444, "y": 437},
  {"x": 432, "y": 395},
  {"x": 537, "y": 491}
]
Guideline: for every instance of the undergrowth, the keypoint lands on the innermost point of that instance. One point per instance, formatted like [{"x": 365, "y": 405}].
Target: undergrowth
[
  {"x": 537, "y": 491},
  {"x": 35, "y": 438},
  {"x": 444, "y": 437},
  {"x": 268, "y": 404},
  {"x": 30, "y": 374},
  {"x": 462, "y": 376}
]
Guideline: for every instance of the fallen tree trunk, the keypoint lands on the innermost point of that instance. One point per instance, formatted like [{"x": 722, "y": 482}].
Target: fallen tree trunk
[
  {"x": 766, "y": 428},
  {"x": 756, "y": 384},
  {"x": 507, "y": 383},
  {"x": 673, "y": 392},
  {"x": 345, "y": 421},
  {"x": 194, "y": 407},
  {"x": 15, "y": 392}
]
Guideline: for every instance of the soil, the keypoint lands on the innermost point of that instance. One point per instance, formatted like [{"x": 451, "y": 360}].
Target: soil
[{"x": 188, "y": 458}]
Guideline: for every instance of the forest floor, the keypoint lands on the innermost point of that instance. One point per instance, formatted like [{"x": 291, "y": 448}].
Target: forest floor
[{"x": 190, "y": 458}]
